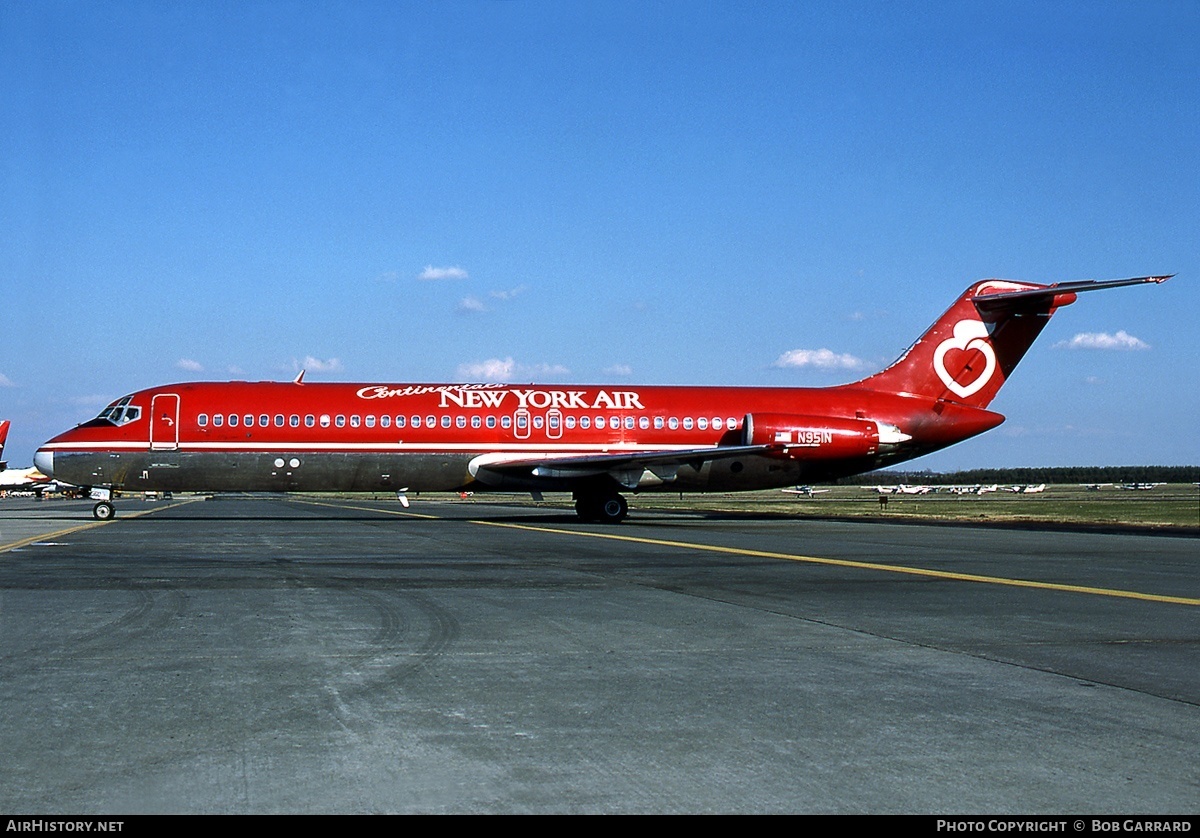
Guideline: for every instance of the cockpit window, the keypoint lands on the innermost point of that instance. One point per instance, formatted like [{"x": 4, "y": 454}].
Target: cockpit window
[{"x": 121, "y": 412}]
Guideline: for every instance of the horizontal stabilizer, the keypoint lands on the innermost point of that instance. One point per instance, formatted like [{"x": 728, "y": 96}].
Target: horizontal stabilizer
[{"x": 1032, "y": 298}]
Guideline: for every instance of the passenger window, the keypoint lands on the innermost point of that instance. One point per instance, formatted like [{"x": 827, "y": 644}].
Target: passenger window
[
  {"x": 325, "y": 420},
  {"x": 460, "y": 421},
  {"x": 218, "y": 420},
  {"x": 658, "y": 423},
  {"x": 702, "y": 423},
  {"x": 264, "y": 420},
  {"x": 629, "y": 423},
  {"x": 369, "y": 421},
  {"x": 294, "y": 420},
  {"x": 355, "y": 421},
  {"x": 491, "y": 421},
  {"x": 385, "y": 421},
  {"x": 687, "y": 423},
  {"x": 718, "y": 424},
  {"x": 340, "y": 421},
  {"x": 249, "y": 420},
  {"x": 445, "y": 421},
  {"x": 431, "y": 421},
  {"x": 476, "y": 422},
  {"x": 416, "y": 421},
  {"x": 673, "y": 423},
  {"x": 506, "y": 422},
  {"x": 202, "y": 420},
  {"x": 585, "y": 422},
  {"x": 279, "y": 420},
  {"x": 310, "y": 421}
]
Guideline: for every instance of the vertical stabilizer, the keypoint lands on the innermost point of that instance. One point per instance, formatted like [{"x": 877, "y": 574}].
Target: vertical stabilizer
[
  {"x": 972, "y": 349},
  {"x": 966, "y": 355}
]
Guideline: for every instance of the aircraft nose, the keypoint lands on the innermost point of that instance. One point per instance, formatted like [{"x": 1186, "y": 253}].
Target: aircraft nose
[{"x": 43, "y": 461}]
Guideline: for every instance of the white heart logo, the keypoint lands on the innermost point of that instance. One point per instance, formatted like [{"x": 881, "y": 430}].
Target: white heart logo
[{"x": 968, "y": 334}]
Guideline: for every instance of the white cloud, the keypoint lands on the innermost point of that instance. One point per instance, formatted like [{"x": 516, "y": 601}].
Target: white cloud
[
  {"x": 496, "y": 370},
  {"x": 312, "y": 364},
  {"x": 490, "y": 370},
  {"x": 188, "y": 365},
  {"x": 1103, "y": 340},
  {"x": 509, "y": 294},
  {"x": 471, "y": 305},
  {"x": 432, "y": 273},
  {"x": 823, "y": 359},
  {"x": 5, "y": 381},
  {"x": 544, "y": 371},
  {"x": 619, "y": 369}
]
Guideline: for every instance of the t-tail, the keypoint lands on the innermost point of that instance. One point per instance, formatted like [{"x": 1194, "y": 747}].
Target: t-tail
[{"x": 972, "y": 349}]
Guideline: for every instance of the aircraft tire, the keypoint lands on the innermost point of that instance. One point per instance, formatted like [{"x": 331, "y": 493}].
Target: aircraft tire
[
  {"x": 585, "y": 508},
  {"x": 103, "y": 511},
  {"x": 613, "y": 510},
  {"x": 601, "y": 509}
]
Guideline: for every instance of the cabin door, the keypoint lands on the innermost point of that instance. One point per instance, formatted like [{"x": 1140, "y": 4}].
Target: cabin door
[{"x": 164, "y": 422}]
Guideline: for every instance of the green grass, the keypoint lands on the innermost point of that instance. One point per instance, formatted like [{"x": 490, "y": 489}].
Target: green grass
[{"x": 1172, "y": 505}]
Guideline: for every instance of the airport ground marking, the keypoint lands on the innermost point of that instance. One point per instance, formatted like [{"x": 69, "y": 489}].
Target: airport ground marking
[
  {"x": 857, "y": 565},
  {"x": 818, "y": 560},
  {"x": 50, "y": 536}
]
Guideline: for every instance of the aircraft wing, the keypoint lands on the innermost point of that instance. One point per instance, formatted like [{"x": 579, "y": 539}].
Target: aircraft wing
[
  {"x": 1033, "y": 297},
  {"x": 630, "y": 469}
]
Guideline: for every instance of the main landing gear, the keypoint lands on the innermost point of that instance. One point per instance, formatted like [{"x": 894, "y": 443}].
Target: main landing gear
[{"x": 601, "y": 507}]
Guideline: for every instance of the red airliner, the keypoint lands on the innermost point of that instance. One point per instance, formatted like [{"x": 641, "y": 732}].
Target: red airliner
[{"x": 589, "y": 440}]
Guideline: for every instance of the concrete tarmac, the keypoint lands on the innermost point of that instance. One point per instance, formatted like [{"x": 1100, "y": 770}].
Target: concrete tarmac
[{"x": 257, "y": 655}]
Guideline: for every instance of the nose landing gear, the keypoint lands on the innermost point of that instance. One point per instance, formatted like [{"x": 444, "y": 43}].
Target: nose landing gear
[{"x": 103, "y": 510}]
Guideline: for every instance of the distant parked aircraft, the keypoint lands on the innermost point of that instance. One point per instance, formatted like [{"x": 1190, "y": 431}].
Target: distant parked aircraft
[{"x": 22, "y": 480}]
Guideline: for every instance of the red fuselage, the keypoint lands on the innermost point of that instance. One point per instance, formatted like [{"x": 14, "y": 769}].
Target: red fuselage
[
  {"x": 243, "y": 436},
  {"x": 593, "y": 441}
]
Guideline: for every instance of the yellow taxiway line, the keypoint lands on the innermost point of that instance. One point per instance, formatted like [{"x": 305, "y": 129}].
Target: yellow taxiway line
[
  {"x": 817, "y": 560},
  {"x": 50, "y": 536}
]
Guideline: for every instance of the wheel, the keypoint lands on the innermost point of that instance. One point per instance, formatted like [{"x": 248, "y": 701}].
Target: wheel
[
  {"x": 613, "y": 510},
  {"x": 601, "y": 508},
  {"x": 103, "y": 511},
  {"x": 585, "y": 508}
]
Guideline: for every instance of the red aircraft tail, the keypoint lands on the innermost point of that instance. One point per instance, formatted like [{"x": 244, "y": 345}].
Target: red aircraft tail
[
  {"x": 3, "y": 438},
  {"x": 971, "y": 350}
]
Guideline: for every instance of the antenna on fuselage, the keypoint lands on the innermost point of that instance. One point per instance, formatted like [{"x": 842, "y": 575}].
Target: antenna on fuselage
[{"x": 299, "y": 379}]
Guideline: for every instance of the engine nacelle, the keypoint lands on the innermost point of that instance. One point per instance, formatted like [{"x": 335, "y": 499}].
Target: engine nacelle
[{"x": 819, "y": 437}]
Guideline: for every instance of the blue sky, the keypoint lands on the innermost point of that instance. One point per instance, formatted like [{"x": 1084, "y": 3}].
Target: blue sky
[{"x": 649, "y": 192}]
